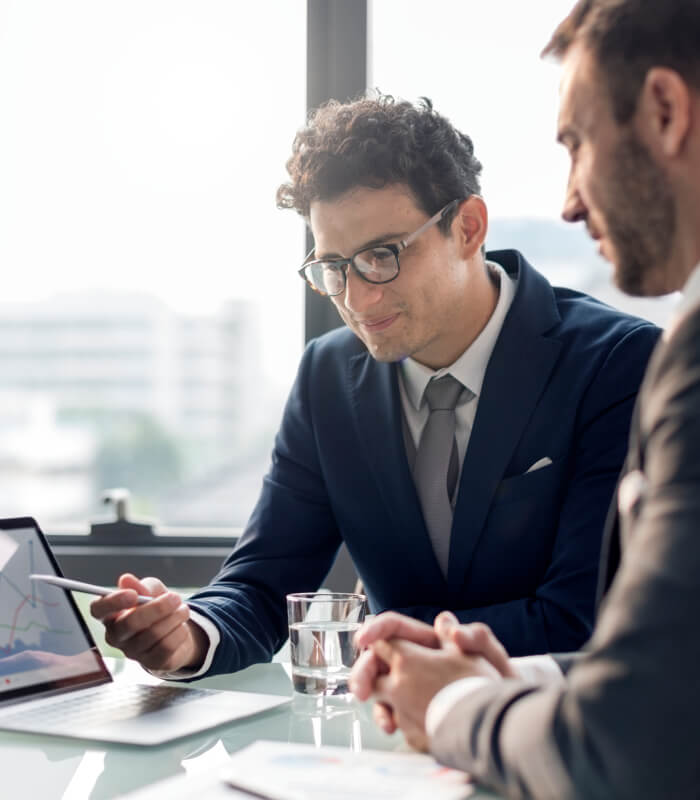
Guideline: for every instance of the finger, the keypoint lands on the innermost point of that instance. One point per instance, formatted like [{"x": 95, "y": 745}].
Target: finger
[
  {"x": 364, "y": 673},
  {"x": 169, "y": 653},
  {"x": 144, "y": 641},
  {"x": 145, "y": 586},
  {"x": 177, "y": 660},
  {"x": 154, "y": 586},
  {"x": 110, "y": 605},
  {"x": 391, "y": 625},
  {"x": 478, "y": 638},
  {"x": 444, "y": 623},
  {"x": 384, "y": 717},
  {"x": 386, "y": 652},
  {"x": 140, "y": 618},
  {"x": 125, "y": 596}
]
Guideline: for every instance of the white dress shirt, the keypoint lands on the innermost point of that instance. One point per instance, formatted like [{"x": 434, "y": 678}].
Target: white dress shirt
[
  {"x": 691, "y": 298},
  {"x": 444, "y": 738},
  {"x": 469, "y": 369}
]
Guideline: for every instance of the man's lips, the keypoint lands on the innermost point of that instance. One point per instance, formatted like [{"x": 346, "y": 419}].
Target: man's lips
[
  {"x": 376, "y": 323},
  {"x": 597, "y": 238},
  {"x": 594, "y": 234}
]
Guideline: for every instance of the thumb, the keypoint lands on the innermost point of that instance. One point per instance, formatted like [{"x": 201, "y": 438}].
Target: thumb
[{"x": 445, "y": 623}]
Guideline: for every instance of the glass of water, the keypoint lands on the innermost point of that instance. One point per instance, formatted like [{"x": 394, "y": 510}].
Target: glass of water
[{"x": 322, "y": 627}]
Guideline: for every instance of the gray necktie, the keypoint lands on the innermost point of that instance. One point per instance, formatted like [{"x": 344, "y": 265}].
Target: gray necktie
[{"x": 437, "y": 464}]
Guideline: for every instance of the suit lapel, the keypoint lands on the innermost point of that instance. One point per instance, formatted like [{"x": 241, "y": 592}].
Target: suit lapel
[
  {"x": 376, "y": 408},
  {"x": 517, "y": 373},
  {"x": 611, "y": 549}
]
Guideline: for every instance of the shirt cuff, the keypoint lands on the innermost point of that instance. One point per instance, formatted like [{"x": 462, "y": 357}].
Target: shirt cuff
[
  {"x": 538, "y": 669},
  {"x": 448, "y": 697},
  {"x": 541, "y": 669},
  {"x": 214, "y": 637}
]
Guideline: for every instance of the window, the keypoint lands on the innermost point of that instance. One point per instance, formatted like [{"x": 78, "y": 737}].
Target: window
[
  {"x": 479, "y": 64},
  {"x": 151, "y": 317}
]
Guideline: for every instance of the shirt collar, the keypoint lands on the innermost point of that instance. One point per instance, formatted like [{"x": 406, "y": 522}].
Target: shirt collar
[
  {"x": 691, "y": 290},
  {"x": 470, "y": 367}
]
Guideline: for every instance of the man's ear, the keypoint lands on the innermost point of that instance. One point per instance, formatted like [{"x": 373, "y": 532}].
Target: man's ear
[
  {"x": 470, "y": 225},
  {"x": 664, "y": 111}
]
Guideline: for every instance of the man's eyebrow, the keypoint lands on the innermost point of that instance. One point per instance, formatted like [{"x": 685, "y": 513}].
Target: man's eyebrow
[{"x": 383, "y": 239}]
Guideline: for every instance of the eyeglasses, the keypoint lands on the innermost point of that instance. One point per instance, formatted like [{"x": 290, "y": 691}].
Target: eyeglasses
[{"x": 378, "y": 264}]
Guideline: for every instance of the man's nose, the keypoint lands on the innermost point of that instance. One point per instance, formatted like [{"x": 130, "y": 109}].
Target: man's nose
[
  {"x": 574, "y": 209},
  {"x": 360, "y": 294}
]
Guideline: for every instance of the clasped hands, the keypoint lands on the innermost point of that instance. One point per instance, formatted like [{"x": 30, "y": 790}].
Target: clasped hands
[{"x": 405, "y": 663}]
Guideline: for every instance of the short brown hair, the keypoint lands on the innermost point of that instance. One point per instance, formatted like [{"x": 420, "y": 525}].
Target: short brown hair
[
  {"x": 629, "y": 37},
  {"x": 378, "y": 141}
]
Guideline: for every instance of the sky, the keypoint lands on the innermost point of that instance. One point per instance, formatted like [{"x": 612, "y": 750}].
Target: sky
[
  {"x": 479, "y": 63},
  {"x": 142, "y": 141}
]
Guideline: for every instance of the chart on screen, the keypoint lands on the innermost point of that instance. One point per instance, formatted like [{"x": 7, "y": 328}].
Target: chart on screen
[{"x": 32, "y": 617}]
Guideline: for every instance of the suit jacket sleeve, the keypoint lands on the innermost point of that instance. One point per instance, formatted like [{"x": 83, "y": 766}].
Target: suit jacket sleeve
[
  {"x": 288, "y": 545},
  {"x": 558, "y": 615},
  {"x": 625, "y": 723}
]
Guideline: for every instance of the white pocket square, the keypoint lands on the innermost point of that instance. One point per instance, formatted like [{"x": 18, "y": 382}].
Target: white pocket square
[{"x": 543, "y": 462}]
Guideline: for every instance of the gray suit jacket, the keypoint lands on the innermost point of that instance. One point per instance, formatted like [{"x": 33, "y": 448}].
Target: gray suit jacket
[{"x": 627, "y": 721}]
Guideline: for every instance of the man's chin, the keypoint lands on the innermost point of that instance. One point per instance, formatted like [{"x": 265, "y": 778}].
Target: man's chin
[
  {"x": 385, "y": 355},
  {"x": 385, "y": 352},
  {"x": 638, "y": 281}
]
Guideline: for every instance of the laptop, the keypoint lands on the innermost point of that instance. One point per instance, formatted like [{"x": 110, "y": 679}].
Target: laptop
[{"x": 53, "y": 679}]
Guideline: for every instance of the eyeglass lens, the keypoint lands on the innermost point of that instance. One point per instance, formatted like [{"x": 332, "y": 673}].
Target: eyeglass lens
[{"x": 376, "y": 265}]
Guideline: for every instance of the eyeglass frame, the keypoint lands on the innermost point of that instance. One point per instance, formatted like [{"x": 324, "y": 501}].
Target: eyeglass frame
[{"x": 339, "y": 263}]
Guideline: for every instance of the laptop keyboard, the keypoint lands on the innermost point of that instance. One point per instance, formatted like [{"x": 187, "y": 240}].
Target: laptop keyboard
[{"x": 111, "y": 703}]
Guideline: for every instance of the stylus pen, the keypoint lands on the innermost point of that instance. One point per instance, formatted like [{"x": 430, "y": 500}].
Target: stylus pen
[{"x": 79, "y": 586}]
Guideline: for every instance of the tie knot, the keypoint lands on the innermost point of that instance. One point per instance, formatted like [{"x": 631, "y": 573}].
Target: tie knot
[{"x": 442, "y": 394}]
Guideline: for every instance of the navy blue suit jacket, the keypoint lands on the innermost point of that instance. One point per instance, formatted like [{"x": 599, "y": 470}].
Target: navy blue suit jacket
[{"x": 561, "y": 383}]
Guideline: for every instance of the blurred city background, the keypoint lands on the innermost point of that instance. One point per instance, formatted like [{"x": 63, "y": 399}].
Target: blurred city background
[{"x": 151, "y": 318}]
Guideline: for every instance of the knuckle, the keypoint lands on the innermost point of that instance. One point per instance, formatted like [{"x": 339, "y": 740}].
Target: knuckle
[
  {"x": 154, "y": 585},
  {"x": 482, "y": 630},
  {"x": 165, "y": 604}
]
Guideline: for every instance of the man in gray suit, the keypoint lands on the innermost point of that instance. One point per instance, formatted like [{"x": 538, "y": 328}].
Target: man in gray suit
[{"x": 623, "y": 718}]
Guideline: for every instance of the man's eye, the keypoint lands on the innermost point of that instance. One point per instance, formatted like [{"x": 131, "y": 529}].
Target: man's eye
[{"x": 379, "y": 254}]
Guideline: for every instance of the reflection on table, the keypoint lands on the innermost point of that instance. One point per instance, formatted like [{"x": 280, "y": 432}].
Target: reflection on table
[{"x": 72, "y": 769}]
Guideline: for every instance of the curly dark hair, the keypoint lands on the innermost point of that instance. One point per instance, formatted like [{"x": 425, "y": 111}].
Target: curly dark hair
[
  {"x": 628, "y": 38},
  {"x": 378, "y": 141}
]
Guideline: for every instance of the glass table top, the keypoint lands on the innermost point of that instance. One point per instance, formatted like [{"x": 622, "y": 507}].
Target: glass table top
[{"x": 71, "y": 769}]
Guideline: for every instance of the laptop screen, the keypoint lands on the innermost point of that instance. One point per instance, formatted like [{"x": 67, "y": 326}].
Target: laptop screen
[{"x": 44, "y": 642}]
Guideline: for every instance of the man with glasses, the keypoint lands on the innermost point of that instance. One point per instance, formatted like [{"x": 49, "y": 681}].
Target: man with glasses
[
  {"x": 462, "y": 434},
  {"x": 620, "y": 719}
]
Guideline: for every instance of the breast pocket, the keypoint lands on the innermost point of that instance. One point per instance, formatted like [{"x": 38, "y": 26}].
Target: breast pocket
[
  {"x": 538, "y": 483},
  {"x": 515, "y": 547}
]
